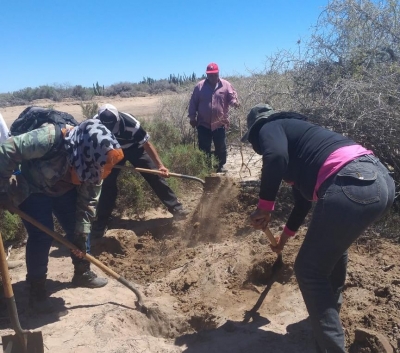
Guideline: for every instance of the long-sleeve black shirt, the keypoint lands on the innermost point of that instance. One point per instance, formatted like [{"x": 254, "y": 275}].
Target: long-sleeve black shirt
[{"x": 294, "y": 150}]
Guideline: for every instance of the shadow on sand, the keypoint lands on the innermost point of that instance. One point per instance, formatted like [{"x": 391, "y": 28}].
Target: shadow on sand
[{"x": 241, "y": 337}]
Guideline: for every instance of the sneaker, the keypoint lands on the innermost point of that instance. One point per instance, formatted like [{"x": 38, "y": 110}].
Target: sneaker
[
  {"x": 222, "y": 170},
  {"x": 39, "y": 302},
  {"x": 88, "y": 279},
  {"x": 179, "y": 213}
]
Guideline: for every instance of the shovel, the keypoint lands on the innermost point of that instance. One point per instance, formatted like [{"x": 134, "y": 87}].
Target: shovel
[
  {"x": 154, "y": 171},
  {"x": 23, "y": 341},
  {"x": 88, "y": 257},
  {"x": 279, "y": 261},
  {"x": 276, "y": 266}
]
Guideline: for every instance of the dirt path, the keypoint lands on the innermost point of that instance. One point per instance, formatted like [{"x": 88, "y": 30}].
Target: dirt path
[{"x": 203, "y": 274}]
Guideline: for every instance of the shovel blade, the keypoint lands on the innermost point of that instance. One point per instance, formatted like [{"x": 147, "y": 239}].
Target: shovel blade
[{"x": 13, "y": 344}]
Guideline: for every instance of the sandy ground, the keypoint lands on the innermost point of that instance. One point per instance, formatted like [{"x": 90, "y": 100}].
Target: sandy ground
[
  {"x": 139, "y": 106},
  {"x": 201, "y": 276}
]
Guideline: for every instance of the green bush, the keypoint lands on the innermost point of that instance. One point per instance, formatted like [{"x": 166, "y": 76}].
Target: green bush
[
  {"x": 135, "y": 195},
  {"x": 89, "y": 110},
  {"x": 185, "y": 159},
  {"x": 11, "y": 226},
  {"x": 164, "y": 135}
]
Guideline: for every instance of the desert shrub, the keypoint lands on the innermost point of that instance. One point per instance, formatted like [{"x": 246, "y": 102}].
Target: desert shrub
[
  {"x": 89, "y": 110},
  {"x": 162, "y": 86},
  {"x": 174, "y": 109},
  {"x": 135, "y": 196},
  {"x": 79, "y": 92},
  {"x": 164, "y": 135},
  {"x": 117, "y": 88},
  {"x": 11, "y": 226},
  {"x": 186, "y": 159}
]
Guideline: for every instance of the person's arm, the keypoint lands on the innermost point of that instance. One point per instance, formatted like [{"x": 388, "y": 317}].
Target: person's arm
[
  {"x": 31, "y": 145},
  {"x": 193, "y": 107},
  {"x": 152, "y": 152},
  {"x": 86, "y": 204},
  {"x": 299, "y": 212},
  {"x": 233, "y": 97},
  {"x": 273, "y": 147}
]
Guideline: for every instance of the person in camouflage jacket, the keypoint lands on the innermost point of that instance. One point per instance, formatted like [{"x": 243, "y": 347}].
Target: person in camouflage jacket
[{"x": 66, "y": 185}]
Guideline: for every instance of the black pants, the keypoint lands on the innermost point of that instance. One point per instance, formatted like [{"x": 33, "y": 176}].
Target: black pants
[
  {"x": 218, "y": 136},
  {"x": 138, "y": 158}
]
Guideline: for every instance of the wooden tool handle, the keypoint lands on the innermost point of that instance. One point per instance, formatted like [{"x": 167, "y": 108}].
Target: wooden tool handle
[
  {"x": 8, "y": 291},
  {"x": 270, "y": 236},
  {"x": 157, "y": 172}
]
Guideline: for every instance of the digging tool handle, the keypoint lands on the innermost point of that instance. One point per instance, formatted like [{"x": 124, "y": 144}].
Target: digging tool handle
[
  {"x": 10, "y": 299},
  {"x": 270, "y": 236},
  {"x": 71, "y": 246},
  {"x": 153, "y": 171}
]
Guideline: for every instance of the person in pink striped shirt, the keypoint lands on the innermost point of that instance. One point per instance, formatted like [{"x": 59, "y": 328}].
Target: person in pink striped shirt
[
  {"x": 209, "y": 113},
  {"x": 351, "y": 188}
]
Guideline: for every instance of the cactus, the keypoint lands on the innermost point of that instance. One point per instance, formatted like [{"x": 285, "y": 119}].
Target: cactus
[{"x": 98, "y": 90}]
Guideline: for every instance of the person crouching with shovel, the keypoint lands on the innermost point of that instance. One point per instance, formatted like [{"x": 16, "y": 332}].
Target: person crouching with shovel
[
  {"x": 67, "y": 184},
  {"x": 351, "y": 188}
]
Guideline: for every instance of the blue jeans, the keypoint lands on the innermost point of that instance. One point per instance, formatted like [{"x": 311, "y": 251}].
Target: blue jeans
[
  {"x": 359, "y": 194},
  {"x": 218, "y": 136},
  {"x": 42, "y": 207}
]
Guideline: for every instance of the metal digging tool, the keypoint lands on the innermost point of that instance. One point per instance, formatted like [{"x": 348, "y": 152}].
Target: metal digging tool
[
  {"x": 153, "y": 171},
  {"x": 23, "y": 341},
  {"x": 88, "y": 257},
  {"x": 276, "y": 266}
]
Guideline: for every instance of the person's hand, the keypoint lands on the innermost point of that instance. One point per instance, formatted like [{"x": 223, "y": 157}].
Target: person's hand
[
  {"x": 78, "y": 253},
  {"x": 164, "y": 171},
  {"x": 193, "y": 123},
  {"x": 281, "y": 241},
  {"x": 260, "y": 218}
]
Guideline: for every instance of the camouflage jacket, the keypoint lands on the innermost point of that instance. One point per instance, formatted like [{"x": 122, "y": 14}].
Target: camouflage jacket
[{"x": 40, "y": 175}]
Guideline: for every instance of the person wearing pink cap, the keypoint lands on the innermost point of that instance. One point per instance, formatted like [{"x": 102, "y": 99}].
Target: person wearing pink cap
[{"x": 208, "y": 112}]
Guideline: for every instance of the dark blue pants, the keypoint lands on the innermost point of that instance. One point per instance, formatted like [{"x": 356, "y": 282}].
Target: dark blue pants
[
  {"x": 138, "y": 158},
  {"x": 42, "y": 207},
  {"x": 218, "y": 136},
  {"x": 359, "y": 194}
]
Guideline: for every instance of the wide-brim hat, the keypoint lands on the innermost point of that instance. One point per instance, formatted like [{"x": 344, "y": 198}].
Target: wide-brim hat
[{"x": 258, "y": 112}]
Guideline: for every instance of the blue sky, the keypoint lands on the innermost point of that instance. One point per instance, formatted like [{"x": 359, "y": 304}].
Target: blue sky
[{"x": 82, "y": 42}]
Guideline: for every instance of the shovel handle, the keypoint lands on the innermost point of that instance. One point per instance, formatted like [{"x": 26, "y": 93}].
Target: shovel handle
[
  {"x": 71, "y": 246},
  {"x": 8, "y": 291},
  {"x": 270, "y": 236},
  {"x": 154, "y": 171}
]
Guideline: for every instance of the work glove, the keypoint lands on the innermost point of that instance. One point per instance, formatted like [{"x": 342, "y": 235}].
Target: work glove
[{"x": 193, "y": 123}]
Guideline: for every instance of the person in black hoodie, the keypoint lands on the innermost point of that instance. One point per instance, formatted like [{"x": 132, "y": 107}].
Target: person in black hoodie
[{"x": 351, "y": 188}]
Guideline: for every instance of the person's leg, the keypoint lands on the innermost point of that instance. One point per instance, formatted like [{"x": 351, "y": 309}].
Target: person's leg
[
  {"x": 219, "y": 139},
  {"x": 204, "y": 137},
  {"x": 139, "y": 158},
  {"x": 38, "y": 246},
  {"x": 64, "y": 208},
  {"x": 350, "y": 203},
  {"x": 108, "y": 196}
]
